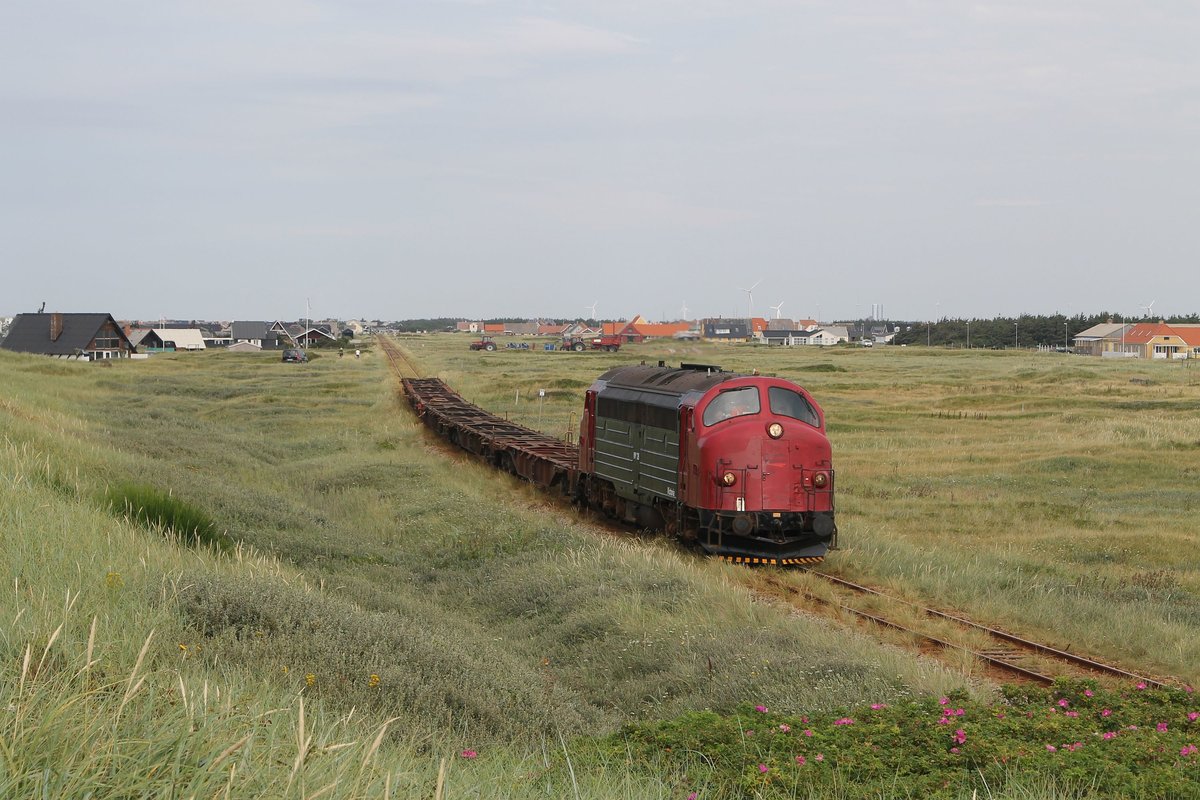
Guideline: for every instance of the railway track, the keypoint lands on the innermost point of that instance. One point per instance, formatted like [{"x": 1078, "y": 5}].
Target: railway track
[
  {"x": 401, "y": 364},
  {"x": 1004, "y": 652}
]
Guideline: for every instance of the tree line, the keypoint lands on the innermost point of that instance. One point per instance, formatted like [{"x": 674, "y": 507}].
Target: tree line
[{"x": 1026, "y": 330}]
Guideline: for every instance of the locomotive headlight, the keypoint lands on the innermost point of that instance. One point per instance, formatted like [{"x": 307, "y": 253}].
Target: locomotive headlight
[
  {"x": 728, "y": 479},
  {"x": 774, "y": 430},
  {"x": 820, "y": 480}
]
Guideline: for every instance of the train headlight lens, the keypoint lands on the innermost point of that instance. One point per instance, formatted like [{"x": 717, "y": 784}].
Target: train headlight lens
[
  {"x": 728, "y": 479},
  {"x": 820, "y": 480},
  {"x": 774, "y": 430}
]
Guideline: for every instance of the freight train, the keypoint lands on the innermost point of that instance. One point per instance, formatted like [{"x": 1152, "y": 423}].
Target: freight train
[{"x": 737, "y": 464}]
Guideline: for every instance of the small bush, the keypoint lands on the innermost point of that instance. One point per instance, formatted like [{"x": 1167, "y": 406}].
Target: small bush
[{"x": 153, "y": 508}]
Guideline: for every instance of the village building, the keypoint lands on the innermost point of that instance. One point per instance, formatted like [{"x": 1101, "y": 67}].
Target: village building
[
  {"x": 85, "y": 336},
  {"x": 786, "y": 337},
  {"x": 1151, "y": 340},
  {"x": 166, "y": 340},
  {"x": 521, "y": 328},
  {"x": 724, "y": 330},
  {"x": 1105, "y": 339},
  {"x": 258, "y": 333},
  {"x": 829, "y": 335},
  {"x": 1155, "y": 340},
  {"x": 640, "y": 330}
]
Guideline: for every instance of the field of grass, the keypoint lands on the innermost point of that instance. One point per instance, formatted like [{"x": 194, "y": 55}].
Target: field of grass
[
  {"x": 228, "y": 574},
  {"x": 1052, "y": 494}
]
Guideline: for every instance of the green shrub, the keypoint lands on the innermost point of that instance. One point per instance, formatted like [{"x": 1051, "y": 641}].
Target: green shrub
[{"x": 153, "y": 508}]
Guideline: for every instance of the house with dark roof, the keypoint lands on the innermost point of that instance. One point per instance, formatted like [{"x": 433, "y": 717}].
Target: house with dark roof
[
  {"x": 255, "y": 332},
  {"x": 307, "y": 337},
  {"x": 726, "y": 329},
  {"x": 73, "y": 336}
]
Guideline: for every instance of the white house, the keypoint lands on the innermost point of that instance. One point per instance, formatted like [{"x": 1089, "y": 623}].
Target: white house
[
  {"x": 830, "y": 335},
  {"x": 155, "y": 340}
]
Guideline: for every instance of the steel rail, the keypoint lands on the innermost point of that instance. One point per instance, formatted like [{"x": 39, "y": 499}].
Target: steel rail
[
  {"x": 988, "y": 658},
  {"x": 396, "y": 354},
  {"x": 996, "y": 633},
  {"x": 994, "y": 660}
]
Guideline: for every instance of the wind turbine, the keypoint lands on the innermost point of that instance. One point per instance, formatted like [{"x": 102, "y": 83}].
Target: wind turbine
[
  {"x": 1148, "y": 308},
  {"x": 683, "y": 310},
  {"x": 750, "y": 300},
  {"x": 776, "y": 309},
  {"x": 593, "y": 308}
]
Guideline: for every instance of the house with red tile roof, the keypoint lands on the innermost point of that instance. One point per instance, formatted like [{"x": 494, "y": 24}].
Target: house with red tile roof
[
  {"x": 1191, "y": 337},
  {"x": 660, "y": 330},
  {"x": 1156, "y": 340},
  {"x": 639, "y": 330}
]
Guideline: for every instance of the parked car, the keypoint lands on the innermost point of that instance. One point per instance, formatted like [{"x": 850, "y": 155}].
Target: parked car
[{"x": 295, "y": 355}]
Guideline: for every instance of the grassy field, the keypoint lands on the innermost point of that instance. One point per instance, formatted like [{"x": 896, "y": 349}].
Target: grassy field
[
  {"x": 1052, "y": 494},
  {"x": 228, "y": 574}
]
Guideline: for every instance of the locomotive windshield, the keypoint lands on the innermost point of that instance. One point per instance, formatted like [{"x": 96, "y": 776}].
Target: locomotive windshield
[
  {"x": 786, "y": 403},
  {"x": 733, "y": 403}
]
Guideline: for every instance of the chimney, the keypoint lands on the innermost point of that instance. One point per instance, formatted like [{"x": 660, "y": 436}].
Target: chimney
[{"x": 56, "y": 325}]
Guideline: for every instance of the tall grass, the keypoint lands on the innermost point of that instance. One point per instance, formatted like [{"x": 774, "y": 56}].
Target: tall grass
[{"x": 373, "y": 582}]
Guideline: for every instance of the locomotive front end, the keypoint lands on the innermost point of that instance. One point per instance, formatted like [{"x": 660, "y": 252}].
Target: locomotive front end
[{"x": 762, "y": 477}]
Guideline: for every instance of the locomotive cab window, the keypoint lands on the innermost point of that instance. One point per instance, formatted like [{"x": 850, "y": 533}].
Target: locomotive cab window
[
  {"x": 733, "y": 403},
  {"x": 786, "y": 403}
]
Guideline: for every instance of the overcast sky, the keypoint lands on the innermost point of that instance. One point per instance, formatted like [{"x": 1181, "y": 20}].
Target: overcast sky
[{"x": 381, "y": 158}]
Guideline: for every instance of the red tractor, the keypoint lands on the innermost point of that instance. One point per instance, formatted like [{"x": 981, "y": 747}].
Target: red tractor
[
  {"x": 483, "y": 343},
  {"x": 610, "y": 344}
]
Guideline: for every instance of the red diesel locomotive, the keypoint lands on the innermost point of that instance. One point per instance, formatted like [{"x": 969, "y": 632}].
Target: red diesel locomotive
[{"x": 739, "y": 464}]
